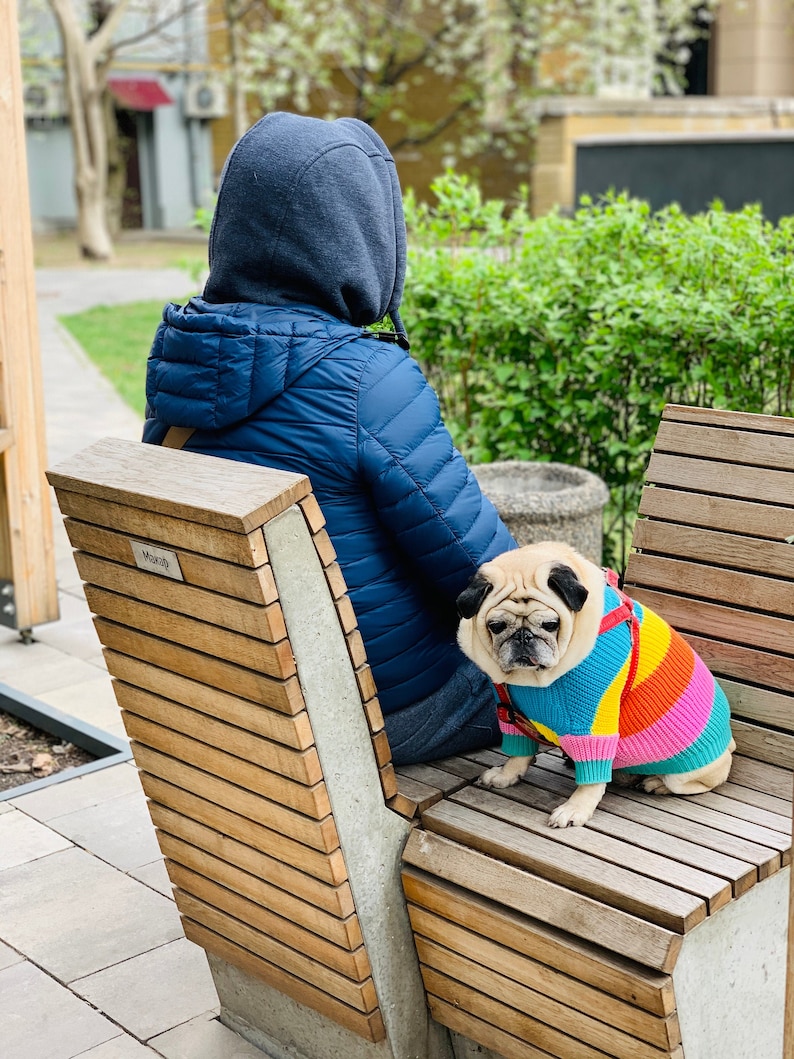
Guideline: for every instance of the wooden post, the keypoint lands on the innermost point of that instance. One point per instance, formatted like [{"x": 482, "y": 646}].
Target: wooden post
[{"x": 28, "y": 591}]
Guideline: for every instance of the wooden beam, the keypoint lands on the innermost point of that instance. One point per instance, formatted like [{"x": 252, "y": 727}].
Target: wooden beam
[{"x": 26, "y": 534}]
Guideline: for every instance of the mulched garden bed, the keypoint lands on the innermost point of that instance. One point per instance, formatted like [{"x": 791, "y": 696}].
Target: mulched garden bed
[{"x": 27, "y": 753}]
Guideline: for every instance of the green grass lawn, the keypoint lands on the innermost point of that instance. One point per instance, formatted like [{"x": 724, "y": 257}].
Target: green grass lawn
[{"x": 117, "y": 339}]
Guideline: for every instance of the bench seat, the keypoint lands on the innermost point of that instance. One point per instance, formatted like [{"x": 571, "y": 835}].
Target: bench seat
[
  {"x": 569, "y": 939},
  {"x": 658, "y": 930}
]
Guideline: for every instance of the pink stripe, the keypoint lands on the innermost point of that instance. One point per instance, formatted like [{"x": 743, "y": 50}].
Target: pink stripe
[
  {"x": 589, "y": 747},
  {"x": 509, "y": 729},
  {"x": 677, "y": 728}
]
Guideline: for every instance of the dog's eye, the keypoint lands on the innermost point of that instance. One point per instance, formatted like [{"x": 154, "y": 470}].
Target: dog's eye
[
  {"x": 552, "y": 625},
  {"x": 497, "y": 626}
]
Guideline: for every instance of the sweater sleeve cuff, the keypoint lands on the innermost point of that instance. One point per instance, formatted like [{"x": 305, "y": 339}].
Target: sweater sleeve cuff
[
  {"x": 592, "y": 756},
  {"x": 518, "y": 745}
]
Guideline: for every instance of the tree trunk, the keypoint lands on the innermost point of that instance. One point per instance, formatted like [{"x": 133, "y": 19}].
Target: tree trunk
[{"x": 85, "y": 61}]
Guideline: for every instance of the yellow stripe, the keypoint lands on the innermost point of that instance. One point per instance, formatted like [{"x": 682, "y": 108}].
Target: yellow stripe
[
  {"x": 607, "y": 715},
  {"x": 655, "y": 636}
]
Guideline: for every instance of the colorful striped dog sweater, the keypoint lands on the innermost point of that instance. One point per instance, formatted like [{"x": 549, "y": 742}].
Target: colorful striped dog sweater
[{"x": 659, "y": 712}]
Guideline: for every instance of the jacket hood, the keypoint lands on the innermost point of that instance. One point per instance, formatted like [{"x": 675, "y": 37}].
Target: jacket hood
[
  {"x": 212, "y": 366},
  {"x": 310, "y": 212}
]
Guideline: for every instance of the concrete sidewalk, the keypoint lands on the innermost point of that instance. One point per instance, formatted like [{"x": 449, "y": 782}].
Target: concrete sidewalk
[{"x": 93, "y": 961}]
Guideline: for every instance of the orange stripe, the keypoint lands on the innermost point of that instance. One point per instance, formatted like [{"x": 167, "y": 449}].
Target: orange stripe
[{"x": 661, "y": 689}]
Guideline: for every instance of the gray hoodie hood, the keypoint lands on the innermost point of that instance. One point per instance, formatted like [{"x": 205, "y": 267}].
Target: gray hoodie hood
[{"x": 310, "y": 212}]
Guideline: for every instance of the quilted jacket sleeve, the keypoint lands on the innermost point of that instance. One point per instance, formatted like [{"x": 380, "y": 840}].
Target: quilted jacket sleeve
[{"x": 422, "y": 487}]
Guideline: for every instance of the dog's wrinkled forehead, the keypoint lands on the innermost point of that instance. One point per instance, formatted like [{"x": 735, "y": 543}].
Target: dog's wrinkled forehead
[{"x": 547, "y": 583}]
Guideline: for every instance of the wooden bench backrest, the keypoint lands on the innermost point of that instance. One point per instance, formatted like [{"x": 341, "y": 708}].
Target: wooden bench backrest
[
  {"x": 176, "y": 551},
  {"x": 710, "y": 555}
]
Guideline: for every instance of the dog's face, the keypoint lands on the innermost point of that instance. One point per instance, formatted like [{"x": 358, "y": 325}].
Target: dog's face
[{"x": 527, "y": 616}]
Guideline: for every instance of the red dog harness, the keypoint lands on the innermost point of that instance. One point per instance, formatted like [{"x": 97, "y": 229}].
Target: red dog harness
[{"x": 624, "y": 611}]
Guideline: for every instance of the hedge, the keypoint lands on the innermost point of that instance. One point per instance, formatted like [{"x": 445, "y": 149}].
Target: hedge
[{"x": 561, "y": 338}]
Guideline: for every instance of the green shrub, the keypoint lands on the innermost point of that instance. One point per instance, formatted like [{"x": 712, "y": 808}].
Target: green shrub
[{"x": 562, "y": 338}]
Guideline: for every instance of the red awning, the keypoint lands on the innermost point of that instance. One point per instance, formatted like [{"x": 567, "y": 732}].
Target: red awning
[{"x": 138, "y": 93}]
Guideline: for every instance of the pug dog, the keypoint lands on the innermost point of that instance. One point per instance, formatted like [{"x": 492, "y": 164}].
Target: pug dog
[{"x": 579, "y": 665}]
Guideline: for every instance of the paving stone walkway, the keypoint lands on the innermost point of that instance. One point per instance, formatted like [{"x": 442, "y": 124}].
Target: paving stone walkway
[{"x": 93, "y": 960}]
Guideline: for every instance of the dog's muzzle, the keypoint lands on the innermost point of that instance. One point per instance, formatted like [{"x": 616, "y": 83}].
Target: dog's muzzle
[{"x": 526, "y": 650}]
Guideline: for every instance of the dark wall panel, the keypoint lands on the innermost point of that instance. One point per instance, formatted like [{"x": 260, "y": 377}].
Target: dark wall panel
[{"x": 692, "y": 172}]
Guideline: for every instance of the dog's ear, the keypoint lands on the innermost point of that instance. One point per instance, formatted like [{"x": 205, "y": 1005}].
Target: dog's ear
[
  {"x": 471, "y": 597},
  {"x": 569, "y": 588}
]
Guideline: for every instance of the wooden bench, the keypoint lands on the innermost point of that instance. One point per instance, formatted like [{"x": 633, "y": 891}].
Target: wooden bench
[
  {"x": 657, "y": 931},
  {"x": 254, "y": 722}
]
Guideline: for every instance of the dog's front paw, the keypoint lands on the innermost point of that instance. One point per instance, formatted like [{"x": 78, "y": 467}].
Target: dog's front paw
[
  {"x": 579, "y": 807},
  {"x": 498, "y": 777},
  {"x": 566, "y": 815}
]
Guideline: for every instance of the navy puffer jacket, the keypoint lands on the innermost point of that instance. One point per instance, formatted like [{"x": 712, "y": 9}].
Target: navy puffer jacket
[{"x": 302, "y": 387}]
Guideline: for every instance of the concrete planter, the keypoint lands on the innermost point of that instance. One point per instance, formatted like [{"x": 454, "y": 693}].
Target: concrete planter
[{"x": 547, "y": 501}]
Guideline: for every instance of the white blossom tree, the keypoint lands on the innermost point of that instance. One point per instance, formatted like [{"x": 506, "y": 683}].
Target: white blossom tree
[{"x": 463, "y": 70}]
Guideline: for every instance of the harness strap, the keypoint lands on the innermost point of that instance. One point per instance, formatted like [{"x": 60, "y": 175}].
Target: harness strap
[{"x": 177, "y": 437}]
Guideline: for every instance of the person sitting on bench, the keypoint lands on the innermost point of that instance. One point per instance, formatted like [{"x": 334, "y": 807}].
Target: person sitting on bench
[{"x": 276, "y": 364}]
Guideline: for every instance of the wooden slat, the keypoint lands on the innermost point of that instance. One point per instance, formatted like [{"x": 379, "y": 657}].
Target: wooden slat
[
  {"x": 761, "y": 776},
  {"x": 690, "y": 809},
  {"x": 432, "y": 776},
  {"x": 746, "y": 811},
  {"x": 580, "y": 872},
  {"x": 757, "y": 741},
  {"x": 342, "y": 933},
  {"x": 739, "y": 874},
  {"x": 245, "y": 549},
  {"x": 753, "y": 797},
  {"x": 388, "y": 780},
  {"x": 299, "y": 830},
  {"x": 606, "y": 842},
  {"x": 740, "y": 663},
  {"x": 360, "y": 996},
  {"x": 303, "y": 766},
  {"x": 163, "y": 480},
  {"x": 711, "y": 547},
  {"x": 257, "y": 585},
  {"x": 720, "y": 478},
  {"x": 767, "y": 594},
  {"x": 738, "y": 420},
  {"x": 352, "y": 964},
  {"x": 291, "y": 730},
  {"x": 464, "y": 1023},
  {"x": 734, "y": 624},
  {"x": 414, "y": 796},
  {"x": 264, "y": 622},
  {"x": 285, "y": 877},
  {"x": 277, "y": 694},
  {"x": 645, "y": 942},
  {"x": 653, "y": 811},
  {"x": 522, "y": 1024},
  {"x": 765, "y": 521},
  {"x": 311, "y": 874},
  {"x": 271, "y": 659},
  {"x": 717, "y": 442},
  {"x": 311, "y": 801},
  {"x": 485, "y": 989},
  {"x": 446, "y": 937},
  {"x": 312, "y": 512},
  {"x": 325, "y": 549},
  {"x": 607, "y": 972},
  {"x": 759, "y": 704},
  {"x": 368, "y": 1025}
]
